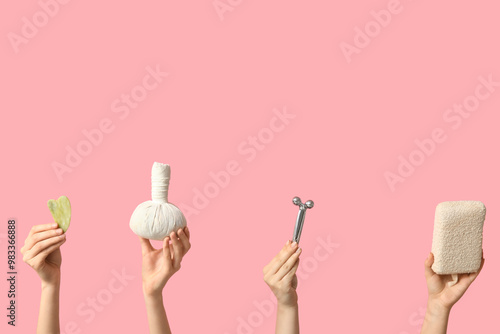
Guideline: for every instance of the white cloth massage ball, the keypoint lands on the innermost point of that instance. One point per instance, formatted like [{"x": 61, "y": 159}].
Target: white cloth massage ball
[{"x": 157, "y": 218}]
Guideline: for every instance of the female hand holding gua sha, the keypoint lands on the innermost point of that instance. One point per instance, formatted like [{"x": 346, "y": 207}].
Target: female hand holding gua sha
[
  {"x": 42, "y": 252},
  {"x": 158, "y": 265}
]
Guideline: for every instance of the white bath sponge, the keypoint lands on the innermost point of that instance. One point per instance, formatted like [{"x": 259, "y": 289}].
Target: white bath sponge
[{"x": 457, "y": 241}]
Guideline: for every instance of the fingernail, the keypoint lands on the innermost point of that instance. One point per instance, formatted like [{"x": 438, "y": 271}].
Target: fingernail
[
  {"x": 59, "y": 230},
  {"x": 299, "y": 250},
  {"x": 54, "y": 225},
  {"x": 63, "y": 236},
  {"x": 186, "y": 229},
  {"x": 287, "y": 243},
  {"x": 294, "y": 244},
  {"x": 180, "y": 231}
]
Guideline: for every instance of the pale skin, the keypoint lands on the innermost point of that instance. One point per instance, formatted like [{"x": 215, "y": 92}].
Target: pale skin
[
  {"x": 442, "y": 297},
  {"x": 280, "y": 276},
  {"x": 42, "y": 252},
  {"x": 158, "y": 265}
]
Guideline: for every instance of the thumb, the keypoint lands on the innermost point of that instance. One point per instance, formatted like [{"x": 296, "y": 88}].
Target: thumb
[
  {"x": 166, "y": 251},
  {"x": 145, "y": 245},
  {"x": 428, "y": 266}
]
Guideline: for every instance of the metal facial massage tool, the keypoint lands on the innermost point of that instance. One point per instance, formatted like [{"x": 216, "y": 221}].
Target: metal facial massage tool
[{"x": 300, "y": 217}]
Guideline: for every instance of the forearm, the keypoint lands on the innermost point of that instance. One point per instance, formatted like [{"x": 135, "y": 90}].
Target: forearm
[
  {"x": 157, "y": 317},
  {"x": 48, "y": 316},
  {"x": 287, "y": 319},
  {"x": 436, "y": 319}
]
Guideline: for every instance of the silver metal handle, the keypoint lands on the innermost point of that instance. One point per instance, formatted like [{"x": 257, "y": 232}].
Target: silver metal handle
[{"x": 300, "y": 217}]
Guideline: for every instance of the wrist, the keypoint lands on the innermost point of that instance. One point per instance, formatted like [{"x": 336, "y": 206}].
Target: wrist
[
  {"x": 151, "y": 294},
  {"x": 153, "y": 300},
  {"x": 436, "y": 309},
  {"x": 52, "y": 284},
  {"x": 289, "y": 300},
  {"x": 51, "y": 289},
  {"x": 287, "y": 306}
]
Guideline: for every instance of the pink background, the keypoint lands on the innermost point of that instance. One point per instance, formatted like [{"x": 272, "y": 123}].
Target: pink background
[{"x": 226, "y": 76}]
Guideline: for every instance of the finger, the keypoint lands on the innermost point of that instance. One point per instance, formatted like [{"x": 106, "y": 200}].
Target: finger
[
  {"x": 171, "y": 247},
  {"x": 37, "y": 229},
  {"x": 482, "y": 263},
  {"x": 295, "y": 282},
  {"x": 184, "y": 240},
  {"x": 42, "y": 255},
  {"x": 271, "y": 263},
  {"x": 42, "y": 245},
  {"x": 146, "y": 245},
  {"x": 166, "y": 252},
  {"x": 293, "y": 270},
  {"x": 428, "y": 266},
  {"x": 188, "y": 233},
  {"x": 282, "y": 257},
  {"x": 289, "y": 277},
  {"x": 47, "y": 251},
  {"x": 288, "y": 265},
  {"x": 40, "y": 236},
  {"x": 42, "y": 227},
  {"x": 280, "y": 254},
  {"x": 178, "y": 250},
  {"x": 473, "y": 276}
]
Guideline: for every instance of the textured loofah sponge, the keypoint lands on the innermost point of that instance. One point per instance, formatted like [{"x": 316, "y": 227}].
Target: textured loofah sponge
[{"x": 457, "y": 242}]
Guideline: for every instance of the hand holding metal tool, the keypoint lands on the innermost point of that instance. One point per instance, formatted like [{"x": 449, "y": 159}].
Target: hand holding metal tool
[{"x": 300, "y": 217}]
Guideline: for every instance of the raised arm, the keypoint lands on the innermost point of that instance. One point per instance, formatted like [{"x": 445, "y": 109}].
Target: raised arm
[
  {"x": 442, "y": 297},
  {"x": 158, "y": 265},
  {"x": 42, "y": 252},
  {"x": 279, "y": 274}
]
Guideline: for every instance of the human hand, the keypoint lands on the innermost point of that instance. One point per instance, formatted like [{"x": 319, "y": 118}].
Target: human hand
[
  {"x": 280, "y": 276},
  {"x": 441, "y": 295},
  {"x": 158, "y": 265},
  {"x": 42, "y": 252}
]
